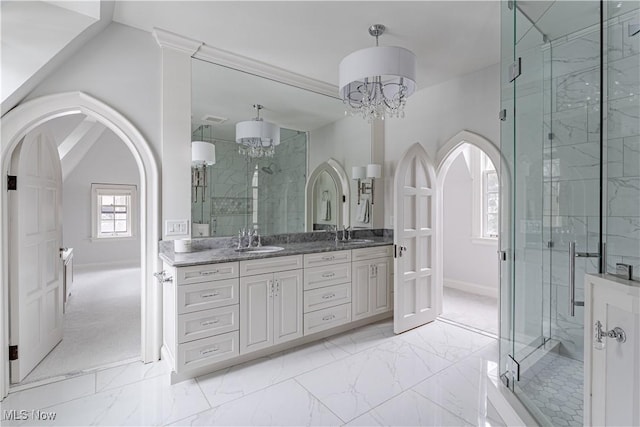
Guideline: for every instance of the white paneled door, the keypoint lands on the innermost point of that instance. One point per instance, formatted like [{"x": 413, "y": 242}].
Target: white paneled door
[
  {"x": 35, "y": 263},
  {"x": 415, "y": 290}
]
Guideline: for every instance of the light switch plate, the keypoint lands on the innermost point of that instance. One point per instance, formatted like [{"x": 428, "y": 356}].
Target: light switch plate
[{"x": 176, "y": 227}]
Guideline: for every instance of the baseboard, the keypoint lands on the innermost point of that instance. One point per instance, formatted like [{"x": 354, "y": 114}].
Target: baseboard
[
  {"x": 113, "y": 265},
  {"x": 472, "y": 288}
]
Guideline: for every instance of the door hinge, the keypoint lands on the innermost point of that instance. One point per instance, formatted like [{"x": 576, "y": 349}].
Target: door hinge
[
  {"x": 13, "y": 352},
  {"x": 515, "y": 69},
  {"x": 502, "y": 115},
  {"x": 344, "y": 199},
  {"x": 514, "y": 368},
  {"x": 12, "y": 182}
]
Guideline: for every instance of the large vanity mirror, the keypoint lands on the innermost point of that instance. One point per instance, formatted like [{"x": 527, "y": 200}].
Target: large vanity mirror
[{"x": 242, "y": 190}]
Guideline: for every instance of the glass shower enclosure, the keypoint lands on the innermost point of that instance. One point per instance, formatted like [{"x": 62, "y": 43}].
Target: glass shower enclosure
[{"x": 571, "y": 154}]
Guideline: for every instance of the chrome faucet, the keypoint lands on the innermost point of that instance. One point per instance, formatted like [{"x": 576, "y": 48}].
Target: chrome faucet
[
  {"x": 334, "y": 228},
  {"x": 346, "y": 231}
]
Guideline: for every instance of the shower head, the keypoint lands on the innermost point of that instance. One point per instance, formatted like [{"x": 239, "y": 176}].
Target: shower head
[{"x": 269, "y": 170}]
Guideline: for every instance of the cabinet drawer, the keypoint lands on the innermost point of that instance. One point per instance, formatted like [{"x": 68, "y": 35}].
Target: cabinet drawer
[
  {"x": 203, "y": 352},
  {"x": 329, "y": 296},
  {"x": 326, "y": 258},
  {"x": 202, "y": 296},
  {"x": 327, "y": 318},
  {"x": 207, "y": 272},
  {"x": 318, "y": 277},
  {"x": 370, "y": 253},
  {"x": 207, "y": 323},
  {"x": 270, "y": 265}
]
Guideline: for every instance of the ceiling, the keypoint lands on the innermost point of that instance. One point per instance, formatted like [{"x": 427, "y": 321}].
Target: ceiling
[{"x": 449, "y": 38}]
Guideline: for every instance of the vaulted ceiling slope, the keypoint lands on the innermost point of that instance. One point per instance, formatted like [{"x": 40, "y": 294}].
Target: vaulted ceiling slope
[
  {"x": 449, "y": 38},
  {"x": 38, "y": 36}
]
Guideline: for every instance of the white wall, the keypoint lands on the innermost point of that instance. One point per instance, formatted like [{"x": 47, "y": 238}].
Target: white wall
[
  {"x": 108, "y": 162},
  {"x": 466, "y": 263},
  {"x": 437, "y": 113},
  {"x": 121, "y": 67}
]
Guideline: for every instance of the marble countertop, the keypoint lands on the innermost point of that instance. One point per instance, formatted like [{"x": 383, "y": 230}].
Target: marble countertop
[{"x": 212, "y": 255}]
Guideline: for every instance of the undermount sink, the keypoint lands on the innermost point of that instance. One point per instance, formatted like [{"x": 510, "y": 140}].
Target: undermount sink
[
  {"x": 357, "y": 241},
  {"x": 261, "y": 249}
]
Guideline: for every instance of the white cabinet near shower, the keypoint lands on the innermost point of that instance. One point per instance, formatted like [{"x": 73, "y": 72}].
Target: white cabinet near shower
[
  {"x": 612, "y": 351},
  {"x": 270, "y": 302}
]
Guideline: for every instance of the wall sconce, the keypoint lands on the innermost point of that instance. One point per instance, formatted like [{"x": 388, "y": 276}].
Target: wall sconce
[
  {"x": 361, "y": 173},
  {"x": 203, "y": 154}
]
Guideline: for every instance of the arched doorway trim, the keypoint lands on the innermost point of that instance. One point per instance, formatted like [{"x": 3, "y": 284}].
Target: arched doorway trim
[
  {"x": 446, "y": 156},
  {"x": 24, "y": 118}
]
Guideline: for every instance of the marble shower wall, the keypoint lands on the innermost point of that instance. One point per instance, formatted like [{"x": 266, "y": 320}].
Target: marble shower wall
[
  {"x": 622, "y": 226},
  {"x": 242, "y": 193},
  {"x": 572, "y": 160}
]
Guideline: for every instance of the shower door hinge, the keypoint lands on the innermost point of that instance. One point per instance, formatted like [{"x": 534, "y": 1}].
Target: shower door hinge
[
  {"x": 12, "y": 182},
  {"x": 550, "y": 244},
  {"x": 515, "y": 69},
  {"x": 13, "y": 352},
  {"x": 502, "y": 115},
  {"x": 344, "y": 199},
  {"x": 502, "y": 255},
  {"x": 514, "y": 368},
  {"x": 551, "y": 136}
]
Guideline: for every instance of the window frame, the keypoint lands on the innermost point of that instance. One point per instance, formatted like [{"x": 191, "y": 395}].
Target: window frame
[
  {"x": 479, "y": 171},
  {"x": 98, "y": 190}
]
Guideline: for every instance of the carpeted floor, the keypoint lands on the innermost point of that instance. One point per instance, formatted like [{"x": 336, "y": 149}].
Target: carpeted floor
[
  {"x": 101, "y": 324},
  {"x": 477, "y": 311}
]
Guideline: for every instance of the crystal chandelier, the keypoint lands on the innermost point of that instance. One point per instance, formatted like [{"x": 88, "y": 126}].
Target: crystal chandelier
[
  {"x": 256, "y": 137},
  {"x": 377, "y": 81}
]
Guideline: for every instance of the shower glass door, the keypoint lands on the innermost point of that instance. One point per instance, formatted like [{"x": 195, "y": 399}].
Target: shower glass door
[{"x": 551, "y": 140}]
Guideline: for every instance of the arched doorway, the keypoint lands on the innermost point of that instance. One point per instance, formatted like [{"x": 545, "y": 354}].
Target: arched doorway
[
  {"x": 24, "y": 118},
  {"x": 449, "y": 158}
]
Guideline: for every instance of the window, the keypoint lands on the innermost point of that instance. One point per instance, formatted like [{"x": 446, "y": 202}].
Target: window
[
  {"x": 486, "y": 196},
  {"x": 113, "y": 211},
  {"x": 490, "y": 198}
]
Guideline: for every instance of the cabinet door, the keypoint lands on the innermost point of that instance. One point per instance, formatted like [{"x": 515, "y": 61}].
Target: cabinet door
[
  {"x": 287, "y": 306},
  {"x": 360, "y": 291},
  {"x": 256, "y": 312},
  {"x": 380, "y": 289}
]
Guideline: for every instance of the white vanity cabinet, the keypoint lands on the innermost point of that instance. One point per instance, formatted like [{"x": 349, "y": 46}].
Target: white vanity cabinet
[
  {"x": 270, "y": 302},
  {"x": 219, "y": 314},
  {"x": 201, "y": 314},
  {"x": 371, "y": 285},
  {"x": 327, "y": 290}
]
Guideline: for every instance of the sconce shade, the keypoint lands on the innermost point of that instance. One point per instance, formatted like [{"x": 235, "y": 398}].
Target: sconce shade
[
  {"x": 202, "y": 153},
  {"x": 358, "y": 172},
  {"x": 374, "y": 171}
]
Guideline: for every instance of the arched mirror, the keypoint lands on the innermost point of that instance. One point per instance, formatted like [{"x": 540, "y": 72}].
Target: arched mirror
[{"x": 327, "y": 194}]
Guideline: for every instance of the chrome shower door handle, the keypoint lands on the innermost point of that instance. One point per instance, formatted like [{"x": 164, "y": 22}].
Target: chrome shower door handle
[
  {"x": 572, "y": 279},
  {"x": 572, "y": 275}
]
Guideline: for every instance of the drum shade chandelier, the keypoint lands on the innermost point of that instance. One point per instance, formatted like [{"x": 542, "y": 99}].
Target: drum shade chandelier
[
  {"x": 256, "y": 137},
  {"x": 377, "y": 81}
]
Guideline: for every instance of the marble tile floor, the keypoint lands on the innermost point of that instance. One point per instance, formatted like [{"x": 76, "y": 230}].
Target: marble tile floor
[
  {"x": 476, "y": 311},
  {"x": 432, "y": 375}
]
